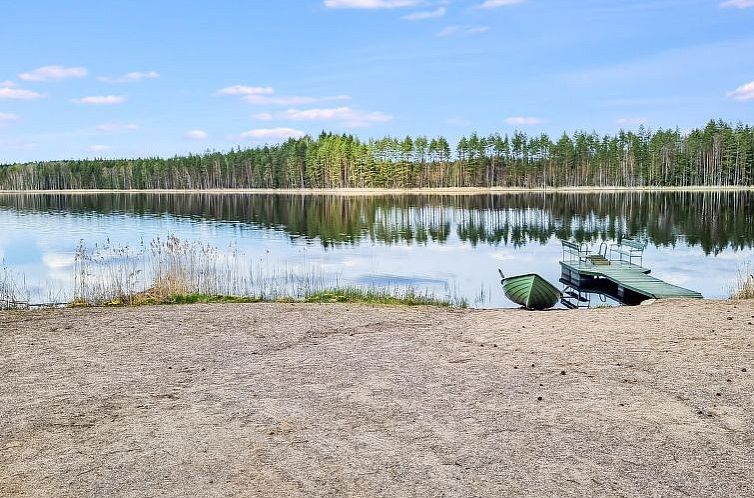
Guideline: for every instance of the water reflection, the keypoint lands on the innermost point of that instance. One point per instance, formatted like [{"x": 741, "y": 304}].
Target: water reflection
[
  {"x": 713, "y": 220},
  {"x": 444, "y": 243}
]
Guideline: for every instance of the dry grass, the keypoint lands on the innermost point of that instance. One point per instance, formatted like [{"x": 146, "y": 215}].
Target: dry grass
[
  {"x": 744, "y": 285},
  {"x": 166, "y": 268},
  {"x": 172, "y": 271},
  {"x": 13, "y": 290}
]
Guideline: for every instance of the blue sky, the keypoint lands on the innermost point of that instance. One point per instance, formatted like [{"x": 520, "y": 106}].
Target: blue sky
[{"x": 139, "y": 78}]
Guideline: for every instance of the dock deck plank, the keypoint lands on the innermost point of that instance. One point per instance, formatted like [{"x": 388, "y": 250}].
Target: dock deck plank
[{"x": 633, "y": 277}]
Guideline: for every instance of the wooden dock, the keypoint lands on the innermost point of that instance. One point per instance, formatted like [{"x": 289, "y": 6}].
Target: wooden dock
[
  {"x": 630, "y": 282},
  {"x": 615, "y": 274}
]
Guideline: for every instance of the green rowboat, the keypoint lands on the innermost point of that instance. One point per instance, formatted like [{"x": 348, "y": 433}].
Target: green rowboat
[{"x": 530, "y": 291}]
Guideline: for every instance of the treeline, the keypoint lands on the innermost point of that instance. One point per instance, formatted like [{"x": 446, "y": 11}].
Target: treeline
[{"x": 720, "y": 154}]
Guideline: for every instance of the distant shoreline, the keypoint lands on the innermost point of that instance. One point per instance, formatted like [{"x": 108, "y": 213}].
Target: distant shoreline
[{"x": 389, "y": 191}]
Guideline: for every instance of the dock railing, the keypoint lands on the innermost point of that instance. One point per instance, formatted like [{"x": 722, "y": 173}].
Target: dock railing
[
  {"x": 628, "y": 251},
  {"x": 574, "y": 252}
]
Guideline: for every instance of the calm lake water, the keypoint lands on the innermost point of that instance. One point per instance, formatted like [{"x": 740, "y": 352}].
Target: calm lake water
[{"x": 451, "y": 246}]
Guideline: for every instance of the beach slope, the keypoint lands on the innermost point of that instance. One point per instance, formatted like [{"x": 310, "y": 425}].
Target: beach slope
[{"x": 347, "y": 400}]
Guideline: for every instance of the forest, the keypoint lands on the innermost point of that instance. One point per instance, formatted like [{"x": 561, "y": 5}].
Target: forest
[{"x": 720, "y": 154}]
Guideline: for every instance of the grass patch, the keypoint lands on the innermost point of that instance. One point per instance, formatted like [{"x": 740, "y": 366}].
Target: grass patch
[
  {"x": 743, "y": 287},
  {"x": 346, "y": 295},
  {"x": 193, "y": 299},
  {"x": 375, "y": 297},
  {"x": 172, "y": 271}
]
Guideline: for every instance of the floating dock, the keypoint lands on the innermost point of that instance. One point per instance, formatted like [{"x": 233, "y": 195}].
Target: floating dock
[{"x": 618, "y": 276}]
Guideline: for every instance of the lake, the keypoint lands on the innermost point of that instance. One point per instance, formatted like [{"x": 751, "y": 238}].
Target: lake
[{"x": 447, "y": 245}]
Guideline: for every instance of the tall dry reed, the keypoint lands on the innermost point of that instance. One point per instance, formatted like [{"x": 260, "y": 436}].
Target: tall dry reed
[
  {"x": 168, "y": 267},
  {"x": 743, "y": 287},
  {"x": 14, "y": 292}
]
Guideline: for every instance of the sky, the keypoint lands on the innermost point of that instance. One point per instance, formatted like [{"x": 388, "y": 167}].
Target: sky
[{"x": 88, "y": 79}]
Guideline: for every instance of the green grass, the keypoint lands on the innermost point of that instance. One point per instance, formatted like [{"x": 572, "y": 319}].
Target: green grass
[
  {"x": 344, "y": 295},
  {"x": 375, "y": 297}
]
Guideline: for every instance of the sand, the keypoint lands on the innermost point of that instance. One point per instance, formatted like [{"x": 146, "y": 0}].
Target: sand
[{"x": 345, "y": 400}]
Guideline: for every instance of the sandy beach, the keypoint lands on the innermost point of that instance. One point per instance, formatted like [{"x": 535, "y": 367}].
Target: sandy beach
[{"x": 349, "y": 400}]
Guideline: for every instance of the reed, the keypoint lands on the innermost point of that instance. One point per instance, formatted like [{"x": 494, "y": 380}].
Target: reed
[
  {"x": 174, "y": 271},
  {"x": 14, "y": 293},
  {"x": 743, "y": 287}
]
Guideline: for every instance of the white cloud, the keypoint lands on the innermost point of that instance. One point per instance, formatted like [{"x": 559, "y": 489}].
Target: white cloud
[
  {"x": 6, "y": 117},
  {"x": 523, "y": 121},
  {"x": 17, "y": 145},
  {"x": 743, "y": 92},
  {"x": 462, "y": 30},
  {"x": 263, "y": 116},
  {"x": 493, "y": 4},
  {"x": 133, "y": 77},
  {"x": 346, "y": 115},
  {"x": 427, "y": 14},
  {"x": 117, "y": 127},
  {"x": 631, "y": 121},
  {"x": 98, "y": 148},
  {"x": 738, "y": 4},
  {"x": 265, "y": 95},
  {"x": 58, "y": 261},
  {"x": 246, "y": 90},
  {"x": 370, "y": 4},
  {"x": 284, "y": 100},
  {"x": 196, "y": 135},
  {"x": 9, "y": 91},
  {"x": 272, "y": 133},
  {"x": 53, "y": 73},
  {"x": 101, "y": 100}
]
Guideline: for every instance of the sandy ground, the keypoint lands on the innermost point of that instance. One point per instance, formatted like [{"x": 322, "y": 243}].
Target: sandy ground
[{"x": 343, "y": 400}]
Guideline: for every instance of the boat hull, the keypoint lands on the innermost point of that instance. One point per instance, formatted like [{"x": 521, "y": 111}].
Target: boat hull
[{"x": 531, "y": 291}]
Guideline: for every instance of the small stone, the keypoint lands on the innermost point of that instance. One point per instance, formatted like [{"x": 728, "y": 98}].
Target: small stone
[
  {"x": 515, "y": 367},
  {"x": 494, "y": 345},
  {"x": 730, "y": 318},
  {"x": 621, "y": 404},
  {"x": 539, "y": 398},
  {"x": 743, "y": 369},
  {"x": 170, "y": 368},
  {"x": 718, "y": 394},
  {"x": 532, "y": 365},
  {"x": 562, "y": 372}
]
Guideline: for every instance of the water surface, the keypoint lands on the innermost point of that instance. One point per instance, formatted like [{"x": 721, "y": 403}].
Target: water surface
[{"x": 449, "y": 245}]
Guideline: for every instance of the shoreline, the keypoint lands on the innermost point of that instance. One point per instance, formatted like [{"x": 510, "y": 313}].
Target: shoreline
[
  {"x": 389, "y": 191},
  {"x": 314, "y": 400}
]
